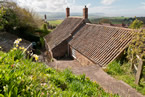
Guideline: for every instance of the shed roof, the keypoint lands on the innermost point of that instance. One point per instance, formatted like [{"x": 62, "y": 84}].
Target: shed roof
[
  {"x": 101, "y": 44},
  {"x": 7, "y": 41},
  {"x": 63, "y": 31}
]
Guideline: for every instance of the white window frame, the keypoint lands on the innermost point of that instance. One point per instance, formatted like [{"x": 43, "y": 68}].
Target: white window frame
[{"x": 73, "y": 53}]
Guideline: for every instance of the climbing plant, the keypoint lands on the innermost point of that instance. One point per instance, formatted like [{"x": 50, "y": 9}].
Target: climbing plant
[
  {"x": 137, "y": 46},
  {"x": 136, "y": 54}
]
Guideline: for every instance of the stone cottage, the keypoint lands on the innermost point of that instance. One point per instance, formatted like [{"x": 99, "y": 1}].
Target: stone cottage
[{"x": 88, "y": 43}]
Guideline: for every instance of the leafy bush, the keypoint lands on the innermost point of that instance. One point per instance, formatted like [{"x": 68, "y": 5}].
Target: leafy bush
[
  {"x": 20, "y": 20},
  {"x": 136, "y": 24},
  {"x": 114, "y": 68}
]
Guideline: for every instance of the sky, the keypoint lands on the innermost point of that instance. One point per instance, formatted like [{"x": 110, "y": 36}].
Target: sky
[{"x": 108, "y": 7}]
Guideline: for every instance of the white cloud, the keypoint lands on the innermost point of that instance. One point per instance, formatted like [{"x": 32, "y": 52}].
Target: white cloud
[
  {"x": 143, "y": 5},
  {"x": 51, "y": 5},
  {"x": 100, "y": 9},
  {"x": 60, "y": 5},
  {"x": 43, "y": 5},
  {"x": 107, "y": 2}
]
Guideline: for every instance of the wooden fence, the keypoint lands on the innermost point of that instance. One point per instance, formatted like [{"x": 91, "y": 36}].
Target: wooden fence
[{"x": 139, "y": 69}]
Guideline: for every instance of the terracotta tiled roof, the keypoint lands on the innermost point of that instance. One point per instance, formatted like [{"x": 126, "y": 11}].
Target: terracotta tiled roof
[
  {"x": 7, "y": 41},
  {"x": 63, "y": 31},
  {"x": 101, "y": 44}
]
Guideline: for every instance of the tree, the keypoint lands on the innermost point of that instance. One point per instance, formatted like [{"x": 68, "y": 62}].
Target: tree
[
  {"x": 104, "y": 21},
  {"x": 136, "y": 24},
  {"x": 2, "y": 20},
  {"x": 20, "y": 19}
]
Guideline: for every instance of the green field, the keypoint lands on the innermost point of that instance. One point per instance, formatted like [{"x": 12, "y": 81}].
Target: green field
[
  {"x": 113, "y": 20},
  {"x": 55, "y": 22}
]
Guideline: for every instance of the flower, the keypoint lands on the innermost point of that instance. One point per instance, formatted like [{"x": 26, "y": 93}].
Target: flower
[
  {"x": 22, "y": 48},
  {"x": 16, "y": 42},
  {"x": 17, "y": 45},
  {"x": 20, "y": 39},
  {"x": 5, "y": 88},
  {"x": 14, "y": 48},
  {"x": 36, "y": 57},
  {"x": 12, "y": 65}
]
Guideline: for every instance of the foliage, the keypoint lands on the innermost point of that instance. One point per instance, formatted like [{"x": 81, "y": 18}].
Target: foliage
[
  {"x": 114, "y": 68},
  {"x": 136, "y": 24},
  {"x": 123, "y": 72},
  {"x": 21, "y": 77},
  {"x": 2, "y": 20},
  {"x": 43, "y": 31},
  {"x": 104, "y": 21},
  {"x": 137, "y": 47},
  {"x": 20, "y": 20},
  {"x": 113, "y": 20},
  {"x": 24, "y": 23},
  {"x": 141, "y": 19}
]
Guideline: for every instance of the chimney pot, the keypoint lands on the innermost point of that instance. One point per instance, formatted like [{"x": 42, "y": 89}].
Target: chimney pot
[
  {"x": 67, "y": 12},
  {"x": 45, "y": 17},
  {"x": 85, "y": 12}
]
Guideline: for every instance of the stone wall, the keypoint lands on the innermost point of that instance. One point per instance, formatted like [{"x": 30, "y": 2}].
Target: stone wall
[
  {"x": 60, "y": 50},
  {"x": 81, "y": 58}
]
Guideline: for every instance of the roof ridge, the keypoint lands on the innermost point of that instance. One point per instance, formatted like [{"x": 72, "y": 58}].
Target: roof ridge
[{"x": 110, "y": 26}]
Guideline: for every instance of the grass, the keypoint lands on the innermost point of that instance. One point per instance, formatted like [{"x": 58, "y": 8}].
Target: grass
[
  {"x": 55, "y": 22},
  {"x": 20, "y": 76},
  {"x": 113, "y": 20},
  {"x": 123, "y": 72}
]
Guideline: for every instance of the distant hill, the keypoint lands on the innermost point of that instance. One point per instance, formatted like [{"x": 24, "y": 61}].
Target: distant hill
[{"x": 61, "y": 15}]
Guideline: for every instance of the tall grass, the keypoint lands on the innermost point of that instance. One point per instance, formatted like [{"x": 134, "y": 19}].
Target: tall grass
[{"x": 124, "y": 72}]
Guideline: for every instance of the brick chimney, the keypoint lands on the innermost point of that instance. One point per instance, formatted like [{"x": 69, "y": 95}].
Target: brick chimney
[
  {"x": 85, "y": 13},
  {"x": 67, "y": 12},
  {"x": 45, "y": 17}
]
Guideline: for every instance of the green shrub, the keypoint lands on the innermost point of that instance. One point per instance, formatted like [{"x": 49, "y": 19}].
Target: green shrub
[
  {"x": 43, "y": 30},
  {"x": 114, "y": 68},
  {"x": 136, "y": 24},
  {"x": 20, "y": 20}
]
